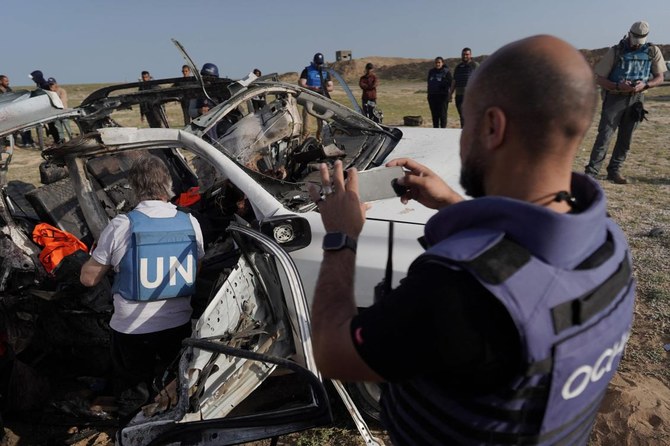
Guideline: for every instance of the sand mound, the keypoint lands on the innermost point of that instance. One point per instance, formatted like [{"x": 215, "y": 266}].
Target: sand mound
[{"x": 635, "y": 412}]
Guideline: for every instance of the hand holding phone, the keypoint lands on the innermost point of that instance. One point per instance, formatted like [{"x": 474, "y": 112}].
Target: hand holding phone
[{"x": 380, "y": 183}]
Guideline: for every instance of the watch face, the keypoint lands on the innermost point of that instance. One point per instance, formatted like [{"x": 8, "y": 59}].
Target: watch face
[{"x": 334, "y": 241}]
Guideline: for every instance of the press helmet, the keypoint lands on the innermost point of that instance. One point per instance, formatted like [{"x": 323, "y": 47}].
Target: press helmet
[
  {"x": 209, "y": 69},
  {"x": 318, "y": 59}
]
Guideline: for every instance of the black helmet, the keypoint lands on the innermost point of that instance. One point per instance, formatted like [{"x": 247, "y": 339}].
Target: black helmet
[
  {"x": 209, "y": 69},
  {"x": 318, "y": 59}
]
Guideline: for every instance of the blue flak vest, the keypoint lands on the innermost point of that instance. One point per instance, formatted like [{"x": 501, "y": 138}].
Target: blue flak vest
[
  {"x": 573, "y": 313},
  {"x": 313, "y": 77},
  {"x": 161, "y": 260},
  {"x": 631, "y": 65}
]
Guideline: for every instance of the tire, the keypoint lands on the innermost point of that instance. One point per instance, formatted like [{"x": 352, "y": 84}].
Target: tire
[{"x": 366, "y": 397}]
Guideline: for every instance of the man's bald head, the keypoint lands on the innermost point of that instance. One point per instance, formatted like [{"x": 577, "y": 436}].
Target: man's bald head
[{"x": 544, "y": 86}]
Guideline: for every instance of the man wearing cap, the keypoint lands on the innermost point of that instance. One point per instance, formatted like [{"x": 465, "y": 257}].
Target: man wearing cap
[
  {"x": 627, "y": 70},
  {"x": 368, "y": 83}
]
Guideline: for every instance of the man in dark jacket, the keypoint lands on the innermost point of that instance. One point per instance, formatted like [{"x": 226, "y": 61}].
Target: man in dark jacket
[
  {"x": 511, "y": 325},
  {"x": 462, "y": 74},
  {"x": 439, "y": 82},
  {"x": 368, "y": 83}
]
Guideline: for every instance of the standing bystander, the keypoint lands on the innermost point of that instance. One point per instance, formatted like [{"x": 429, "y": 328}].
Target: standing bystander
[
  {"x": 154, "y": 114},
  {"x": 63, "y": 127},
  {"x": 501, "y": 331},
  {"x": 462, "y": 73},
  {"x": 152, "y": 308},
  {"x": 43, "y": 84},
  {"x": 626, "y": 71},
  {"x": 26, "y": 136},
  {"x": 317, "y": 79},
  {"x": 368, "y": 83},
  {"x": 439, "y": 82},
  {"x": 185, "y": 103}
]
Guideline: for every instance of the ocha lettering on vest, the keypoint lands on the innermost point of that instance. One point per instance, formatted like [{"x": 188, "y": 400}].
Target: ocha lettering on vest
[
  {"x": 585, "y": 374},
  {"x": 187, "y": 273}
]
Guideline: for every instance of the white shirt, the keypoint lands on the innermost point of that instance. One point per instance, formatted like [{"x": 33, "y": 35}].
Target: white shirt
[{"x": 133, "y": 317}]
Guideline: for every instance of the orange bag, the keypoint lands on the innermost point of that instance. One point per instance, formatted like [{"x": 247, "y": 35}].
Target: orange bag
[
  {"x": 57, "y": 244},
  {"x": 189, "y": 198}
]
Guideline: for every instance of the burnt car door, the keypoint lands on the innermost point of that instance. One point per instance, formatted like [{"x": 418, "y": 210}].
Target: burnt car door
[{"x": 247, "y": 372}]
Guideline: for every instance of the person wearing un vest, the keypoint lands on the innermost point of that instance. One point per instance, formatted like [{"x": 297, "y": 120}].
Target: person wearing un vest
[
  {"x": 153, "y": 251},
  {"x": 508, "y": 329},
  {"x": 315, "y": 78},
  {"x": 627, "y": 70}
]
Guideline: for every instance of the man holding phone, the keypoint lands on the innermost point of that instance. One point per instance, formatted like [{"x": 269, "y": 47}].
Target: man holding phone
[{"x": 510, "y": 326}]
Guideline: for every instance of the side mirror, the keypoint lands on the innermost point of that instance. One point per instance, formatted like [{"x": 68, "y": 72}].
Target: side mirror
[{"x": 291, "y": 232}]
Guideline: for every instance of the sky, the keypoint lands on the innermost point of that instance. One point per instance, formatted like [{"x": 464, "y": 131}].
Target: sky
[{"x": 95, "y": 41}]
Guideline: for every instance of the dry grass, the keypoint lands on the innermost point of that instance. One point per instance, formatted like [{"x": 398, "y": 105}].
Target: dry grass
[{"x": 638, "y": 207}]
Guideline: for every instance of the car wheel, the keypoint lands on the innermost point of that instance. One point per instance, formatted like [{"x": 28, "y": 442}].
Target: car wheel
[{"x": 366, "y": 397}]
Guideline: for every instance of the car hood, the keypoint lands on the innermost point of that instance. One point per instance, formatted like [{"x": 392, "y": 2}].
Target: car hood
[{"x": 22, "y": 109}]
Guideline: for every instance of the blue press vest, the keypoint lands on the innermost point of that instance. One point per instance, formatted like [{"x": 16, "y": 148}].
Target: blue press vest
[
  {"x": 160, "y": 262},
  {"x": 313, "y": 78},
  {"x": 573, "y": 323},
  {"x": 632, "y": 65}
]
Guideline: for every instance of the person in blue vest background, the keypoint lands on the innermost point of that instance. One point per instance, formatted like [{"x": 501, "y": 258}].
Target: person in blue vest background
[
  {"x": 508, "y": 329},
  {"x": 154, "y": 251},
  {"x": 317, "y": 79},
  {"x": 626, "y": 71}
]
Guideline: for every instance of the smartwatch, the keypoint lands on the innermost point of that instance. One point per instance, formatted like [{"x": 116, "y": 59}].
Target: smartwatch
[{"x": 337, "y": 241}]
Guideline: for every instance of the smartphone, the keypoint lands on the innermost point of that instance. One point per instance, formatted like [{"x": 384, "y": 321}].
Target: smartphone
[{"x": 379, "y": 183}]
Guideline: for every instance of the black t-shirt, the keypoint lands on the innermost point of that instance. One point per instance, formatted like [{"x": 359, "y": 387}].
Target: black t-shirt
[{"x": 443, "y": 323}]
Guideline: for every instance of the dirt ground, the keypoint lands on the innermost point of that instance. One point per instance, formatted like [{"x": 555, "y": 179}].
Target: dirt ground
[{"x": 636, "y": 409}]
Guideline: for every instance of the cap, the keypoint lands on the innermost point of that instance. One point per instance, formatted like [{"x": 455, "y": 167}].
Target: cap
[
  {"x": 52, "y": 80},
  {"x": 638, "y": 33},
  {"x": 369, "y": 66}
]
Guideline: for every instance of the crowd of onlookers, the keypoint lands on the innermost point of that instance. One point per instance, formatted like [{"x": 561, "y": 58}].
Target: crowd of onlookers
[{"x": 59, "y": 96}]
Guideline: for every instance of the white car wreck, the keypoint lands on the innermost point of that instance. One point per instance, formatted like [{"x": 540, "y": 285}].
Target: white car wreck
[{"x": 252, "y": 168}]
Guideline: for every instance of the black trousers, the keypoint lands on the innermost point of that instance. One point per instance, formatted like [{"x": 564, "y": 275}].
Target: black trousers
[
  {"x": 438, "y": 104},
  {"x": 140, "y": 357},
  {"x": 459, "y": 107}
]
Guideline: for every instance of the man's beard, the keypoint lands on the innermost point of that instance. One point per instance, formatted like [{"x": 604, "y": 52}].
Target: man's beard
[{"x": 472, "y": 176}]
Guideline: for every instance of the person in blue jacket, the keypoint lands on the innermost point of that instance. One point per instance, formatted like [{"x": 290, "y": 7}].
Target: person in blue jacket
[
  {"x": 439, "y": 83},
  {"x": 508, "y": 329},
  {"x": 315, "y": 78}
]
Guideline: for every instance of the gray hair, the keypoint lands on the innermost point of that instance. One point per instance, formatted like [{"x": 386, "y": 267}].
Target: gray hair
[{"x": 150, "y": 179}]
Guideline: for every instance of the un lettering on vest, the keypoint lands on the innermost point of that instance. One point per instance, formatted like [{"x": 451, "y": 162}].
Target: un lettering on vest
[
  {"x": 174, "y": 267},
  {"x": 583, "y": 375}
]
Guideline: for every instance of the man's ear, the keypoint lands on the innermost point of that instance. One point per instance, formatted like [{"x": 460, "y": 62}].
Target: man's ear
[{"x": 495, "y": 127}]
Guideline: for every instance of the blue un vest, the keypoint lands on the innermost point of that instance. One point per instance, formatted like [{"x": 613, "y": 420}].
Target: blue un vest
[
  {"x": 160, "y": 262},
  {"x": 313, "y": 78},
  {"x": 631, "y": 65},
  {"x": 573, "y": 320}
]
